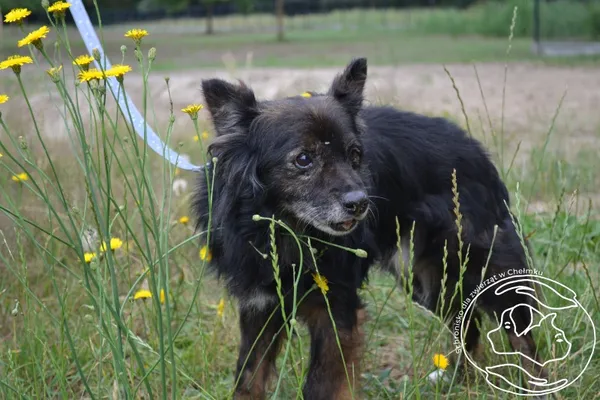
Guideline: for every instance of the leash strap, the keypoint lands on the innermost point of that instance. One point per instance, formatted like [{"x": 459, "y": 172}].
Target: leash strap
[{"x": 88, "y": 34}]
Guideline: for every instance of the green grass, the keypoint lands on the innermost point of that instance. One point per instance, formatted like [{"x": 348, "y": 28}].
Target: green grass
[
  {"x": 397, "y": 37},
  {"x": 71, "y": 329}
]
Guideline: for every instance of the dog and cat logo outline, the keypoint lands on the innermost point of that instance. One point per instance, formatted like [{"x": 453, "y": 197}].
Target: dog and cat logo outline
[{"x": 544, "y": 314}]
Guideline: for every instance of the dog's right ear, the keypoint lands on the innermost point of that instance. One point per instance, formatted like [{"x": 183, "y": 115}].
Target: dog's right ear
[{"x": 232, "y": 107}]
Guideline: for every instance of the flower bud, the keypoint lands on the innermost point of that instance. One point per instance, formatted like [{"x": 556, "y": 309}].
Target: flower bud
[{"x": 361, "y": 253}]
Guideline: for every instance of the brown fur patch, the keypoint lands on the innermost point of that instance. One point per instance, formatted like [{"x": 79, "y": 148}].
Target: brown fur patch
[
  {"x": 327, "y": 377},
  {"x": 254, "y": 381}
]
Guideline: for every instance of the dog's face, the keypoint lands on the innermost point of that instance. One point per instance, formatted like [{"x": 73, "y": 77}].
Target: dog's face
[{"x": 304, "y": 153}]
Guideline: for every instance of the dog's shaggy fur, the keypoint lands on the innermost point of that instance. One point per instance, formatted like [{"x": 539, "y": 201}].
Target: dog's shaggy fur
[{"x": 349, "y": 174}]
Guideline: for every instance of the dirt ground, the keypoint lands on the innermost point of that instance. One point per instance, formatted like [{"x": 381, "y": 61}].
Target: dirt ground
[{"x": 532, "y": 96}]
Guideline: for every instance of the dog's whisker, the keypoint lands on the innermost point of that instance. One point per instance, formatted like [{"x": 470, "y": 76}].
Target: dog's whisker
[{"x": 378, "y": 197}]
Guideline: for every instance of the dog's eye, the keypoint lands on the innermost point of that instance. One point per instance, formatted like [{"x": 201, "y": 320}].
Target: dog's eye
[
  {"x": 355, "y": 157},
  {"x": 303, "y": 161}
]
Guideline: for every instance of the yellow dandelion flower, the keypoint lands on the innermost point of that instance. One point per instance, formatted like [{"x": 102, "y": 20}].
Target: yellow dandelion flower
[
  {"x": 35, "y": 37},
  {"x": 83, "y": 61},
  {"x": 136, "y": 35},
  {"x": 306, "y": 95},
  {"x": 142, "y": 294},
  {"x": 3, "y": 98},
  {"x": 192, "y": 110},
  {"x": 90, "y": 75},
  {"x": 115, "y": 244},
  {"x": 221, "y": 308},
  {"x": 184, "y": 220},
  {"x": 20, "y": 177},
  {"x": 59, "y": 8},
  {"x": 89, "y": 257},
  {"x": 440, "y": 361},
  {"x": 162, "y": 296},
  {"x": 205, "y": 254},
  {"x": 118, "y": 70},
  {"x": 15, "y": 62},
  {"x": 321, "y": 282},
  {"x": 17, "y": 15}
]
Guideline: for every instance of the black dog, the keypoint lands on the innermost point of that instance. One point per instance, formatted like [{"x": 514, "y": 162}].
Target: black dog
[{"x": 336, "y": 171}]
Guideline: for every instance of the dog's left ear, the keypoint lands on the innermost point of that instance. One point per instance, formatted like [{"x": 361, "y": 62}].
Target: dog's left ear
[
  {"x": 348, "y": 87},
  {"x": 232, "y": 107}
]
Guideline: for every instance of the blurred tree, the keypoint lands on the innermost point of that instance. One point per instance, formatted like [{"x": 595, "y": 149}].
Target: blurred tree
[
  {"x": 280, "y": 12},
  {"x": 7, "y": 5},
  {"x": 177, "y": 5}
]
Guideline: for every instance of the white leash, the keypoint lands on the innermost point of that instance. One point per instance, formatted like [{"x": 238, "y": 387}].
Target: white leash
[{"x": 88, "y": 34}]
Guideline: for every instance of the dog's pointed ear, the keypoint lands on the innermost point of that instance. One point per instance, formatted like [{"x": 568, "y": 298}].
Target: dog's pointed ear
[
  {"x": 348, "y": 87},
  {"x": 232, "y": 107}
]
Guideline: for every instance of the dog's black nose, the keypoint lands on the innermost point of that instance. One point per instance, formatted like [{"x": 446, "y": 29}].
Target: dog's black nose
[{"x": 355, "y": 202}]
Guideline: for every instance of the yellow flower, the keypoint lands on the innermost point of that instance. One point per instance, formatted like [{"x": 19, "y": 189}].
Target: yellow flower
[
  {"x": 146, "y": 294},
  {"x": 136, "y": 35},
  {"x": 115, "y": 244},
  {"x": 204, "y": 135},
  {"x": 142, "y": 294},
  {"x": 3, "y": 98},
  {"x": 192, "y": 110},
  {"x": 306, "y": 94},
  {"x": 35, "y": 37},
  {"x": 184, "y": 220},
  {"x": 54, "y": 72},
  {"x": 20, "y": 177},
  {"x": 59, "y": 8},
  {"x": 440, "y": 361},
  {"x": 221, "y": 308},
  {"x": 177, "y": 171},
  {"x": 205, "y": 254},
  {"x": 17, "y": 15},
  {"x": 321, "y": 282},
  {"x": 89, "y": 257},
  {"x": 91, "y": 74},
  {"x": 118, "y": 70},
  {"x": 83, "y": 61},
  {"x": 15, "y": 62}
]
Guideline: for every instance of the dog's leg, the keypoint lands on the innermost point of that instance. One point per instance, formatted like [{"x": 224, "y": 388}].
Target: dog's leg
[
  {"x": 330, "y": 377},
  {"x": 524, "y": 343},
  {"x": 514, "y": 309},
  {"x": 258, "y": 350}
]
